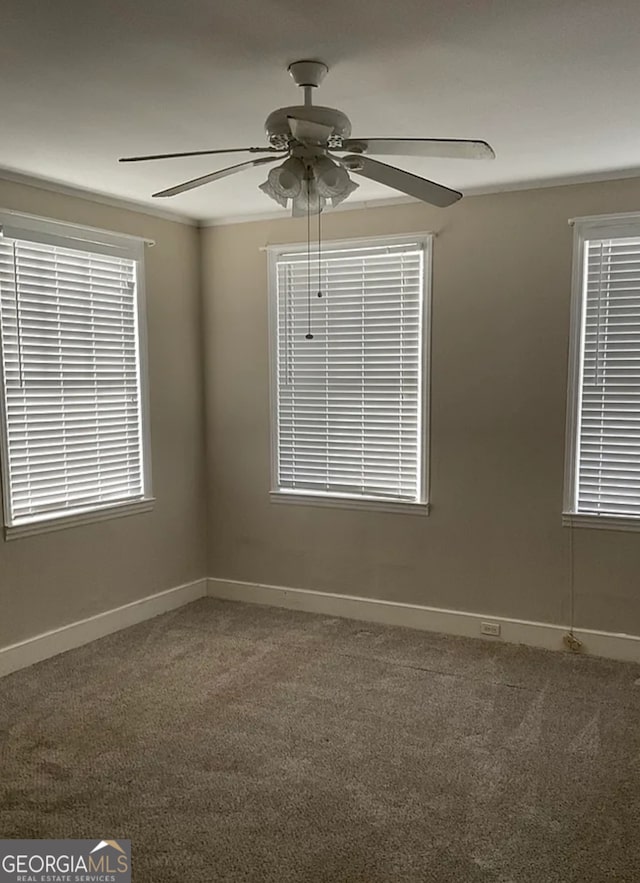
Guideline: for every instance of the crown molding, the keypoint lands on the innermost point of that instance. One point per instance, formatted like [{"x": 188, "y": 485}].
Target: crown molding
[
  {"x": 63, "y": 189},
  {"x": 562, "y": 181},
  {"x": 507, "y": 187},
  {"x": 54, "y": 186}
]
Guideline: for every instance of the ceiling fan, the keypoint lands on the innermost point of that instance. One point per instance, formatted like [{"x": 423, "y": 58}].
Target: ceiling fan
[{"x": 313, "y": 141}]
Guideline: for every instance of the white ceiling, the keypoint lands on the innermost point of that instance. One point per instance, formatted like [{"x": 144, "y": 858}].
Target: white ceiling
[{"x": 553, "y": 85}]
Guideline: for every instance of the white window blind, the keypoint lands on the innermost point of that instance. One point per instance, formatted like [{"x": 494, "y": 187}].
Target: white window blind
[
  {"x": 350, "y": 402},
  {"x": 71, "y": 376},
  {"x": 605, "y": 472}
]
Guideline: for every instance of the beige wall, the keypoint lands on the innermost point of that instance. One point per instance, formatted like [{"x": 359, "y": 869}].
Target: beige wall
[
  {"x": 53, "y": 579},
  {"x": 494, "y": 541}
]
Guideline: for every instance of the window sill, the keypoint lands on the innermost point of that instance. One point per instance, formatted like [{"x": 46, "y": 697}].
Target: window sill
[
  {"x": 61, "y": 522},
  {"x": 337, "y": 502},
  {"x": 601, "y": 522}
]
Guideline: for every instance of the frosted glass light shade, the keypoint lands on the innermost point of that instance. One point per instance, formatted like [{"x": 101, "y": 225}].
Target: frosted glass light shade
[
  {"x": 332, "y": 180},
  {"x": 348, "y": 190},
  {"x": 269, "y": 189},
  {"x": 309, "y": 200},
  {"x": 285, "y": 181}
]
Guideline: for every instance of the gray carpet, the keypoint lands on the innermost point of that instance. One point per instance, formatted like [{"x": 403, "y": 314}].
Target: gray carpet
[{"x": 240, "y": 743}]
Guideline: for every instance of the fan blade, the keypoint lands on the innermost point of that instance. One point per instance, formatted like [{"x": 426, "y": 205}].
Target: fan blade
[
  {"x": 307, "y": 131},
  {"x": 412, "y": 185},
  {"x": 437, "y": 147},
  {"x": 214, "y": 176},
  {"x": 199, "y": 153}
]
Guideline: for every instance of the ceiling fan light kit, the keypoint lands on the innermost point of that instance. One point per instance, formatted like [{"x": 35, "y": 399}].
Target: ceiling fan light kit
[{"x": 313, "y": 140}]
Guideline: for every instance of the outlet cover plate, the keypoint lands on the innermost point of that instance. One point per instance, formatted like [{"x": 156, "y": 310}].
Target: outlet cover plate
[{"x": 490, "y": 628}]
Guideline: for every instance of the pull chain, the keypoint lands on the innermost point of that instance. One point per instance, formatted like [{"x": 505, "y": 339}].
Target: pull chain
[
  {"x": 319, "y": 249},
  {"x": 308, "y": 335}
]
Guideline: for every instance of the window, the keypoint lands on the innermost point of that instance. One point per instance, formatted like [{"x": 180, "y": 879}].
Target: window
[
  {"x": 73, "y": 405},
  {"x": 603, "y": 438},
  {"x": 350, "y": 403}
]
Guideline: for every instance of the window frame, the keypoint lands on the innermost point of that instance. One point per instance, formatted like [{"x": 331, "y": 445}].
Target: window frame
[
  {"x": 47, "y": 230},
  {"x": 422, "y": 506},
  {"x": 584, "y": 229}
]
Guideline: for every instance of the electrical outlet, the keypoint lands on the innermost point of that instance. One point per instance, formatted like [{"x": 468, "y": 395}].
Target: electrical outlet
[{"x": 490, "y": 628}]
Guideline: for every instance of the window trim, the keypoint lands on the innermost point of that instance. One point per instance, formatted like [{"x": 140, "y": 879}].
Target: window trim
[
  {"x": 346, "y": 501},
  {"x": 57, "y": 232},
  {"x": 585, "y": 228}
]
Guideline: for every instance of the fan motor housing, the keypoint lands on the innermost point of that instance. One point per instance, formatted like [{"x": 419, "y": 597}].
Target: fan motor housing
[{"x": 279, "y": 133}]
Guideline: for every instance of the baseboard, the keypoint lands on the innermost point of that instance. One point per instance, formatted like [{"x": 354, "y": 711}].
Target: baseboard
[
  {"x": 453, "y": 622},
  {"x": 433, "y": 619},
  {"x": 76, "y": 634}
]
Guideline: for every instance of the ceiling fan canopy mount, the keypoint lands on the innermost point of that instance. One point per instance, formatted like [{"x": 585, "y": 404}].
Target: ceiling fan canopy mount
[
  {"x": 308, "y": 73},
  {"x": 311, "y": 141}
]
